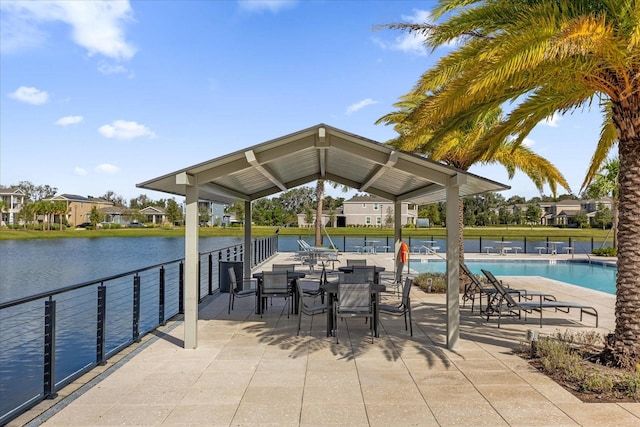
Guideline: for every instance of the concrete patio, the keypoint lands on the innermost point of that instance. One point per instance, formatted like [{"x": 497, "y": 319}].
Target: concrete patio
[{"x": 250, "y": 371}]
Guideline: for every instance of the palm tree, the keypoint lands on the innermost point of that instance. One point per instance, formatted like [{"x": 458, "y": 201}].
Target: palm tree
[
  {"x": 547, "y": 57},
  {"x": 605, "y": 183},
  {"x": 466, "y": 146}
]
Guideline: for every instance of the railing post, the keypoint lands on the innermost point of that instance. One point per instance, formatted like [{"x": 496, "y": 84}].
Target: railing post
[
  {"x": 524, "y": 249},
  {"x": 181, "y": 289},
  {"x": 161, "y": 319},
  {"x": 50, "y": 349},
  {"x": 210, "y": 274},
  {"x": 480, "y": 248},
  {"x": 101, "y": 321},
  {"x": 136, "y": 308}
]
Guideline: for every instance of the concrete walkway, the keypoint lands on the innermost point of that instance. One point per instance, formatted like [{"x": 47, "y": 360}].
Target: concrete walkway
[{"x": 253, "y": 371}]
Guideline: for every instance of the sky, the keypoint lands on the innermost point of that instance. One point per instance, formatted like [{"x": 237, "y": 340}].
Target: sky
[{"x": 99, "y": 96}]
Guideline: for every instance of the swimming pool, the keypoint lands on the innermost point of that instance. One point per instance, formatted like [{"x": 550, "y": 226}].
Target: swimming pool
[{"x": 593, "y": 276}]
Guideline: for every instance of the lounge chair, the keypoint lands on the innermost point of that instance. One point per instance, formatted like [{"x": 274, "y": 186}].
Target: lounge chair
[
  {"x": 476, "y": 288},
  {"x": 505, "y": 299}
]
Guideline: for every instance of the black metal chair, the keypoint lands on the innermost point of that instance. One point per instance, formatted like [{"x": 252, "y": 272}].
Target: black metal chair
[
  {"x": 354, "y": 300},
  {"x": 239, "y": 288},
  {"x": 404, "y": 308},
  {"x": 275, "y": 284},
  {"x": 308, "y": 310}
]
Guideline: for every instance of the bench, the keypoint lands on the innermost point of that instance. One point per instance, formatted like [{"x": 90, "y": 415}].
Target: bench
[
  {"x": 386, "y": 248},
  {"x": 506, "y": 249},
  {"x": 488, "y": 249},
  {"x": 569, "y": 249},
  {"x": 540, "y": 249},
  {"x": 516, "y": 249}
]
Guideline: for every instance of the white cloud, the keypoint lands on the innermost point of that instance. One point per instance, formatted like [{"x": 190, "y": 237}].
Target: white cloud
[
  {"x": 69, "y": 120},
  {"x": 528, "y": 142},
  {"x": 121, "y": 129},
  {"x": 105, "y": 68},
  {"x": 552, "y": 121},
  {"x": 96, "y": 25},
  {"x": 107, "y": 168},
  {"x": 270, "y": 5},
  {"x": 80, "y": 171},
  {"x": 360, "y": 105},
  {"x": 30, "y": 95}
]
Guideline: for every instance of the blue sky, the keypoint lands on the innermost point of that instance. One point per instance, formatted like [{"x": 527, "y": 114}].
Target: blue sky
[{"x": 99, "y": 96}]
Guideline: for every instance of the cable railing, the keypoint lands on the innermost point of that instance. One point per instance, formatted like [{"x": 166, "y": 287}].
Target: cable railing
[
  {"x": 474, "y": 244},
  {"x": 50, "y": 339}
]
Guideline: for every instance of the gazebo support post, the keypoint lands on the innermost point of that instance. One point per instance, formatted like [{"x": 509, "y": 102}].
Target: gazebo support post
[
  {"x": 453, "y": 261},
  {"x": 191, "y": 261}
]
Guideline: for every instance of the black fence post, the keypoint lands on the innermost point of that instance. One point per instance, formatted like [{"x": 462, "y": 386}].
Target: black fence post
[
  {"x": 101, "y": 322},
  {"x": 50, "y": 349},
  {"x": 480, "y": 248},
  {"x": 136, "y": 308},
  {"x": 525, "y": 244},
  {"x": 210, "y": 274},
  {"x": 161, "y": 302},
  {"x": 181, "y": 289}
]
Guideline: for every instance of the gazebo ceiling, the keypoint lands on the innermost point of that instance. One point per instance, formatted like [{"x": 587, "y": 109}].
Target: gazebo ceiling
[{"x": 321, "y": 152}]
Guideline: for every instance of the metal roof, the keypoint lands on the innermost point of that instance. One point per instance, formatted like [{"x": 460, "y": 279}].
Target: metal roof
[{"x": 321, "y": 152}]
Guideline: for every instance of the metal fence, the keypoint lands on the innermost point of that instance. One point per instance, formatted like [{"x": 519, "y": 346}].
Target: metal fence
[{"x": 50, "y": 339}]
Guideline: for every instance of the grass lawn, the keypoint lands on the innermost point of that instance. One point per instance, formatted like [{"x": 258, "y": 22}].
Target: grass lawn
[{"x": 436, "y": 232}]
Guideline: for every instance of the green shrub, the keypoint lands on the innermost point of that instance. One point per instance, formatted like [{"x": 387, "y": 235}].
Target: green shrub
[
  {"x": 606, "y": 251},
  {"x": 438, "y": 282}
]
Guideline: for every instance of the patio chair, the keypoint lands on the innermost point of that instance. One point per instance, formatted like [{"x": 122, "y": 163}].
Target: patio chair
[
  {"x": 475, "y": 288},
  {"x": 404, "y": 308},
  {"x": 360, "y": 274},
  {"x": 354, "y": 300},
  {"x": 505, "y": 299},
  {"x": 239, "y": 288},
  {"x": 275, "y": 284},
  {"x": 308, "y": 310},
  {"x": 393, "y": 280},
  {"x": 283, "y": 267}
]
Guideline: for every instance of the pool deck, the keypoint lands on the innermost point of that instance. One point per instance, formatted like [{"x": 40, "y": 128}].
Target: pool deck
[{"x": 252, "y": 371}]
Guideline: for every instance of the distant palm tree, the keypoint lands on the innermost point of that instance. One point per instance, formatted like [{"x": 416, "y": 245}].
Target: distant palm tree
[{"x": 547, "y": 57}]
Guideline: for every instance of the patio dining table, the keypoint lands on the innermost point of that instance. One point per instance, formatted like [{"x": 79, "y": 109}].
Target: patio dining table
[
  {"x": 331, "y": 290},
  {"x": 291, "y": 276}
]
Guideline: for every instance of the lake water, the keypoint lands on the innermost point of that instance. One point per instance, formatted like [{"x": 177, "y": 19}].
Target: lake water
[{"x": 28, "y": 267}]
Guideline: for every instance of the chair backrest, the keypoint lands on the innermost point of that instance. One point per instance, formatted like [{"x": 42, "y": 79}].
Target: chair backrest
[
  {"x": 406, "y": 291},
  {"x": 471, "y": 276},
  {"x": 355, "y": 297},
  {"x": 233, "y": 279},
  {"x": 358, "y": 262},
  {"x": 361, "y": 274},
  {"x": 275, "y": 282},
  {"x": 501, "y": 290},
  {"x": 283, "y": 267}
]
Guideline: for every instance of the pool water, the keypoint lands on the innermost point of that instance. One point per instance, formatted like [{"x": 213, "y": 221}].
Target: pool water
[{"x": 592, "y": 276}]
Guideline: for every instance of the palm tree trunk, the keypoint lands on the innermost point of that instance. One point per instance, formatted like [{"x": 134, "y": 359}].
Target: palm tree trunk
[
  {"x": 319, "y": 199},
  {"x": 626, "y": 116}
]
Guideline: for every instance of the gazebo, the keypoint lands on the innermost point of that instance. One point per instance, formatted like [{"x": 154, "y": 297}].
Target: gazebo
[{"x": 320, "y": 152}]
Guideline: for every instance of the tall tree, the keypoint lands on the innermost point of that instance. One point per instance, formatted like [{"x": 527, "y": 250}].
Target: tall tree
[
  {"x": 547, "y": 57},
  {"x": 465, "y": 146}
]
